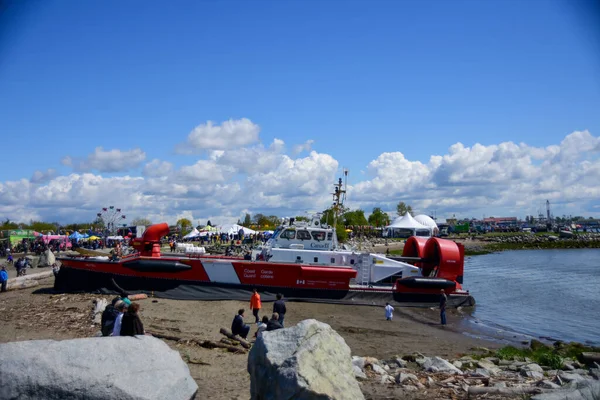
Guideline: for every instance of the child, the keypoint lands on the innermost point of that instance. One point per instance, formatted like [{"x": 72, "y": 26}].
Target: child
[
  {"x": 389, "y": 312},
  {"x": 262, "y": 326}
]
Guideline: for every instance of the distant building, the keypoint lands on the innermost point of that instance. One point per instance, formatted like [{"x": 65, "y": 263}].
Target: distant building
[{"x": 502, "y": 221}]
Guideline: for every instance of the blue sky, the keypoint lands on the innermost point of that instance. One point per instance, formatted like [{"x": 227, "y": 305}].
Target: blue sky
[{"x": 359, "y": 78}]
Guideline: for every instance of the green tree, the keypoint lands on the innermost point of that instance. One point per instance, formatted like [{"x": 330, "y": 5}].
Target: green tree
[
  {"x": 273, "y": 221},
  {"x": 184, "y": 225},
  {"x": 355, "y": 218},
  {"x": 247, "y": 220},
  {"x": 379, "y": 218},
  {"x": 302, "y": 218},
  {"x": 8, "y": 224},
  {"x": 403, "y": 208},
  {"x": 341, "y": 233},
  {"x": 141, "y": 221},
  {"x": 40, "y": 226}
]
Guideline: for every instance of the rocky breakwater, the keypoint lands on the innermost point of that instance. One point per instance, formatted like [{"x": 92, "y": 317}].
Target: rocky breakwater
[
  {"x": 127, "y": 368},
  {"x": 307, "y": 361},
  {"x": 579, "y": 240},
  {"x": 421, "y": 376}
]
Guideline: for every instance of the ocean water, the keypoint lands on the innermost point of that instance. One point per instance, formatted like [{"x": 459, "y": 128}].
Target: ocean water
[{"x": 540, "y": 293}]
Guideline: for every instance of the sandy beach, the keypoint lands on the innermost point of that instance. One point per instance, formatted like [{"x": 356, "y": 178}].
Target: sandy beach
[{"x": 35, "y": 313}]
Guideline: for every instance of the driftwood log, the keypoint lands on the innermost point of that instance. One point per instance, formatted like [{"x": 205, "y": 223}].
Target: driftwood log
[
  {"x": 590, "y": 358},
  {"x": 135, "y": 297},
  {"x": 231, "y": 336},
  {"x": 99, "y": 306},
  {"x": 32, "y": 277},
  {"x": 17, "y": 285},
  {"x": 506, "y": 391},
  {"x": 207, "y": 344}
]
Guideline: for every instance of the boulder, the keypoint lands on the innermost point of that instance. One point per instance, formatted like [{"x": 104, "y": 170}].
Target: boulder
[
  {"x": 378, "y": 369},
  {"x": 359, "y": 373},
  {"x": 127, "y": 368},
  {"x": 306, "y": 361},
  {"x": 438, "y": 364},
  {"x": 46, "y": 259},
  {"x": 403, "y": 377},
  {"x": 531, "y": 367},
  {"x": 569, "y": 377},
  {"x": 588, "y": 390}
]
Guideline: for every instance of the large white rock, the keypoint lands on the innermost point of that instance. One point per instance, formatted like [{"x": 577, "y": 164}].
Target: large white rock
[
  {"x": 125, "y": 368},
  {"x": 306, "y": 361}
]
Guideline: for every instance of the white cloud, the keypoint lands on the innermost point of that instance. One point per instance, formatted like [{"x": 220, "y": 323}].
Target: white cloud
[
  {"x": 158, "y": 168},
  {"x": 101, "y": 160},
  {"x": 229, "y": 135},
  {"x": 306, "y": 146},
  {"x": 43, "y": 176},
  {"x": 505, "y": 178}
]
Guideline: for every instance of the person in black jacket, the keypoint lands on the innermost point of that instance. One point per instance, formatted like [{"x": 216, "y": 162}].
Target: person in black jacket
[
  {"x": 279, "y": 308},
  {"x": 109, "y": 315},
  {"x": 273, "y": 323},
  {"x": 238, "y": 327},
  {"x": 131, "y": 324}
]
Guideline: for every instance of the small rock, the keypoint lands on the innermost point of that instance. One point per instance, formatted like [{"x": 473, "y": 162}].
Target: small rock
[
  {"x": 410, "y": 388},
  {"x": 359, "y": 362},
  {"x": 378, "y": 370},
  {"x": 568, "y": 366},
  {"x": 568, "y": 377},
  {"x": 493, "y": 360},
  {"x": 438, "y": 364},
  {"x": 386, "y": 367},
  {"x": 482, "y": 372},
  {"x": 595, "y": 372},
  {"x": 430, "y": 382},
  {"x": 403, "y": 377},
  {"x": 532, "y": 367},
  {"x": 457, "y": 364},
  {"x": 489, "y": 366},
  {"x": 401, "y": 363},
  {"x": 548, "y": 385},
  {"x": 500, "y": 384},
  {"x": 359, "y": 373},
  {"x": 504, "y": 363},
  {"x": 532, "y": 374}
]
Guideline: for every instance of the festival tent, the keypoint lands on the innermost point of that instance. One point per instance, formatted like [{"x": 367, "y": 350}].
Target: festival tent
[
  {"x": 115, "y": 238},
  {"x": 194, "y": 233},
  {"x": 406, "y": 226},
  {"x": 76, "y": 235},
  {"x": 233, "y": 229},
  {"x": 428, "y": 222}
]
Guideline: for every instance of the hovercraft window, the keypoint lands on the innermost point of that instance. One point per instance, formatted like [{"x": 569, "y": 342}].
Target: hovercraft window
[
  {"x": 318, "y": 235},
  {"x": 288, "y": 234},
  {"x": 303, "y": 235}
]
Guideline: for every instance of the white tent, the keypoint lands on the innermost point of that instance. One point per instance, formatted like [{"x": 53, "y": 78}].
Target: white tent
[
  {"x": 426, "y": 220},
  {"x": 194, "y": 233},
  {"x": 233, "y": 229},
  {"x": 406, "y": 226}
]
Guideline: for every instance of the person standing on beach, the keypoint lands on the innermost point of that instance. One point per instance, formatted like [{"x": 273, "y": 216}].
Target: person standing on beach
[
  {"x": 389, "y": 312},
  {"x": 3, "y": 278},
  {"x": 255, "y": 304},
  {"x": 443, "y": 300},
  {"x": 279, "y": 308}
]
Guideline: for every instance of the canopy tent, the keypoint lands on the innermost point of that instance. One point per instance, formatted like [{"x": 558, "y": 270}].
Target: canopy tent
[
  {"x": 76, "y": 236},
  {"x": 426, "y": 220},
  {"x": 93, "y": 238},
  {"x": 407, "y": 226},
  {"x": 233, "y": 229},
  {"x": 194, "y": 233},
  {"x": 209, "y": 228}
]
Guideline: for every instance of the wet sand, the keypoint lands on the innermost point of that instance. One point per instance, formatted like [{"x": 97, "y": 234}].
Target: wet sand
[{"x": 26, "y": 315}]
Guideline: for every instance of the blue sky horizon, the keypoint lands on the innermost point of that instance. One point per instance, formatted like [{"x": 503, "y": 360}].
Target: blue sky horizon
[{"x": 209, "y": 110}]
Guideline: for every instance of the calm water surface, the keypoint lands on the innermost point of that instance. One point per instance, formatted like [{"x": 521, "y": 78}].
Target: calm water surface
[{"x": 547, "y": 293}]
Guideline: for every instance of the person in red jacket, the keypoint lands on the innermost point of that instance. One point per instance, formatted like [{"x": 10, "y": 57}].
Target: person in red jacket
[{"x": 255, "y": 304}]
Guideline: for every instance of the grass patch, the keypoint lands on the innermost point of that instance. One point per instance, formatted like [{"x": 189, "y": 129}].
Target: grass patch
[
  {"x": 546, "y": 356},
  {"x": 396, "y": 252}
]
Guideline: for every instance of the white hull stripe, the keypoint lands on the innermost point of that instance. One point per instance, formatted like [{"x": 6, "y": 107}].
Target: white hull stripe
[{"x": 220, "y": 271}]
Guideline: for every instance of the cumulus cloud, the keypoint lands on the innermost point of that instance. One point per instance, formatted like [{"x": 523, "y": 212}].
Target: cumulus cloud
[
  {"x": 306, "y": 146},
  {"x": 228, "y": 135},
  {"x": 157, "y": 168},
  {"x": 101, "y": 160},
  {"x": 505, "y": 178},
  {"x": 43, "y": 176}
]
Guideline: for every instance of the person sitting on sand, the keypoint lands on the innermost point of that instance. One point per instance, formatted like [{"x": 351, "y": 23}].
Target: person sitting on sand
[
  {"x": 109, "y": 315},
  {"x": 262, "y": 326},
  {"x": 389, "y": 312},
  {"x": 273, "y": 323},
  {"x": 131, "y": 324},
  {"x": 122, "y": 309},
  {"x": 238, "y": 327}
]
